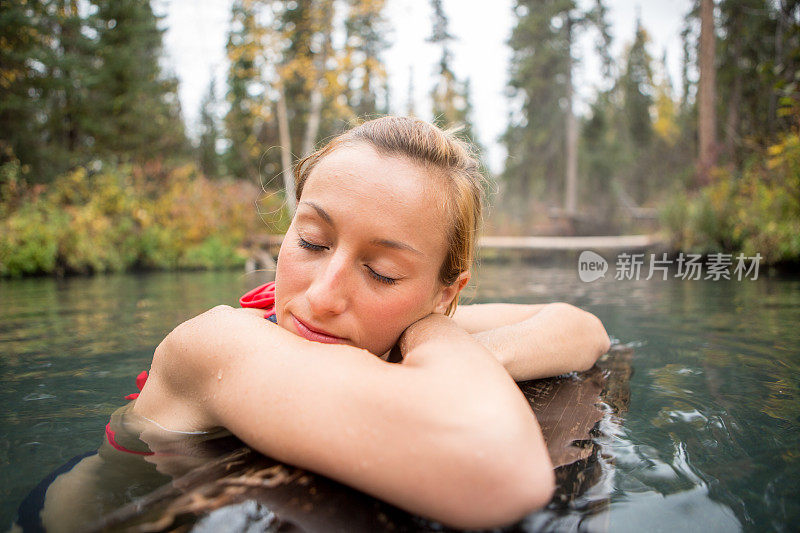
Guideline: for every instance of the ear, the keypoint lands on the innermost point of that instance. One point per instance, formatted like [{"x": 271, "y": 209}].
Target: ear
[{"x": 450, "y": 292}]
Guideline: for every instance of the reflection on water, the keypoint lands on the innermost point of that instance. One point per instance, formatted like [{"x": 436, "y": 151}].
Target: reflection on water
[{"x": 711, "y": 439}]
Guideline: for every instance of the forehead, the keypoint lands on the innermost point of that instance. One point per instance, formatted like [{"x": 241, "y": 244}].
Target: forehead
[
  {"x": 359, "y": 166},
  {"x": 388, "y": 193}
]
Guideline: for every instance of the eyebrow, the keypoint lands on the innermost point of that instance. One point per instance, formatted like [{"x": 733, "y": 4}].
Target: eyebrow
[
  {"x": 385, "y": 243},
  {"x": 321, "y": 212}
]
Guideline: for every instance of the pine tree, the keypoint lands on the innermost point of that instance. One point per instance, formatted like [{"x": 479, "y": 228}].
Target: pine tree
[
  {"x": 209, "y": 133},
  {"x": 758, "y": 57},
  {"x": 289, "y": 86},
  {"x": 367, "y": 83},
  {"x": 136, "y": 111},
  {"x": 637, "y": 89},
  {"x": 444, "y": 95},
  {"x": 69, "y": 66},
  {"x": 46, "y": 62},
  {"x": 450, "y": 96},
  {"x": 249, "y": 107},
  {"x": 22, "y": 47},
  {"x": 665, "y": 126},
  {"x": 541, "y": 81},
  {"x": 83, "y": 82},
  {"x": 535, "y": 137},
  {"x": 604, "y": 155}
]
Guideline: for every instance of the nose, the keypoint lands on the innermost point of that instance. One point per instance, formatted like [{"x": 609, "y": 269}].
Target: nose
[{"x": 328, "y": 292}]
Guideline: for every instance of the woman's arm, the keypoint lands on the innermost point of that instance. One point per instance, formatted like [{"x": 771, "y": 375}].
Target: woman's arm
[
  {"x": 446, "y": 435},
  {"x": 536, "y": 341}
]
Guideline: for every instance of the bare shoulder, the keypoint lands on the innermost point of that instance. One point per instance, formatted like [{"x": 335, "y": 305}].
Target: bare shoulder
[{"x": 190, "y": 355}]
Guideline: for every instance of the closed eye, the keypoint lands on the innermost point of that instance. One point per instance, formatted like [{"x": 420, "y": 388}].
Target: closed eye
[
  {"x": 309, "y": 246},
  {"x": 382, "y": 279},
  {"x": 318, "y": 248}
]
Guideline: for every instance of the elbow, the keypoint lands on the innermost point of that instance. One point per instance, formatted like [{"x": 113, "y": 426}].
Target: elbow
[
  {"x": 527, "y": 471},
  {"x": 506, "y": 494},
  {"x": 535, "y": 491},
  {"x": 513, "y": 478},
  {"x": 593, "y": 340},
  {"x": 596, "y": 338},
  {"x": 600, "y": 342},
  {"x": 524, "y": 501},
  {"x": 528, "y": 488}
]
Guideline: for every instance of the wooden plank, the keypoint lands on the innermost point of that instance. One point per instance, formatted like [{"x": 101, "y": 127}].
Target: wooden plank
[
  {"x": 244, "y": 489},
  {"x": 596, "y": 243},
  {"x": 603, "y": 242}
]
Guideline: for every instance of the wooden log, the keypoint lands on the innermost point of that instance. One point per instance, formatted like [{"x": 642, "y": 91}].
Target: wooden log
[
  {"x": 543, "y": 243},
  {"x": 597, "y": 243},
  {"x": 244, "y": 490}
]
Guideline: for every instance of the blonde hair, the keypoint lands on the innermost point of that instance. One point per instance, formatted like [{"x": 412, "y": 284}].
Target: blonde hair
[{"x": 441, "y": 153}]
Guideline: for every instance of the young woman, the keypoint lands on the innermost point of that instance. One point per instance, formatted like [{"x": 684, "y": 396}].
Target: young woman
[{"x": 375, "y": 258}]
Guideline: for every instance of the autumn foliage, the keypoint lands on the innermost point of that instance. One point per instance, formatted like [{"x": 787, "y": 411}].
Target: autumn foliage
[{"x": 115, "y": 218}]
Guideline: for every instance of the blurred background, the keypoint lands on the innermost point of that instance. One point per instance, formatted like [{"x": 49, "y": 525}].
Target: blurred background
[
  {"x": 144, "y": 137},
  {"x": 140, "y": 135}
]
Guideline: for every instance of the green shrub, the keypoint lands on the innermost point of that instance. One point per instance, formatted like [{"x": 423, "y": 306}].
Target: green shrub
[
  {"x": 212, "y": 254},
  {"x": 116, "y": 218},
  {"x": 29, "y": 242},
  {"x": 753, "y": 211}
]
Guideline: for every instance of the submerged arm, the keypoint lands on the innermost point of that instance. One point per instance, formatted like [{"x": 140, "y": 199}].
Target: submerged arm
[
  {"x": 536, "y": 341},
  {"x": 421, "y": 435}
]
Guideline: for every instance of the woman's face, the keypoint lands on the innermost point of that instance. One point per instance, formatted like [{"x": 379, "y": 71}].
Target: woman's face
[{"x": 361, "y": 260}]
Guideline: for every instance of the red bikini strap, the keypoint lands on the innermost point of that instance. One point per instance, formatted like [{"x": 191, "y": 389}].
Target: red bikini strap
[
  {"x": 141, "y": 379},
  {"x": 261, "y": 297},
  {"x": 110, "y": 434}
]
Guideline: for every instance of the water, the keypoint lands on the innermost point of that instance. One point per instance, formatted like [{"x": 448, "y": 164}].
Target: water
[{"x": 710, "y": 440}]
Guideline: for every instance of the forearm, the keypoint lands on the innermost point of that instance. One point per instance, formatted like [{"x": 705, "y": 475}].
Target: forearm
[
  {"x": 449, "y": 420},
  {"x": 498, "y": 410},
  {"x": 475, "y": 318},
  {"x": 558, "y": 338}
]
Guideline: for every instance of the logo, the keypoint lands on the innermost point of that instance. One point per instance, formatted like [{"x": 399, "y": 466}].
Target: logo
[{"x": 591, "y": 266}]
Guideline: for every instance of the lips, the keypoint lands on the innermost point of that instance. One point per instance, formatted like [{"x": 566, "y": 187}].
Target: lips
[{"x": 314, "y": 334}]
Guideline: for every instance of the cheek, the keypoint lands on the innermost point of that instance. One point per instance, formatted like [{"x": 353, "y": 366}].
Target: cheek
[
  {"x": 292, "y": 274},
  {"x": 391, "y": 314},
  {"x": 387, "y": 317}
]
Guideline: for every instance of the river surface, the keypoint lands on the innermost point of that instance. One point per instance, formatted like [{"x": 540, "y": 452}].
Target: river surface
[{"x": 710, "y": 440}]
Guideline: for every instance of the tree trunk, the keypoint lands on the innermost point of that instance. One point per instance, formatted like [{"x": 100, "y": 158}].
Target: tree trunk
[
  {"x": 315, "y": 111},
  {"x": 286, "y": 151},
  {"x": 732, "y": 120},
  {"x": 571, "y": 178},
  {"x": 312, "y": 127},
  {"x": 67, "y": 130},
  {"x": 707, "y": 94},
  {"x": 773, "y": 97},
  {"x": 410, "y": 110}
]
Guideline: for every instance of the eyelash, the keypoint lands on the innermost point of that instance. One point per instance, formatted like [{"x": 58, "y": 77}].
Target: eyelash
[
  {"x": 308, "y": 246},
  {"x": 382, "y": 279},
  {"x": 318, "y": 248}
]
